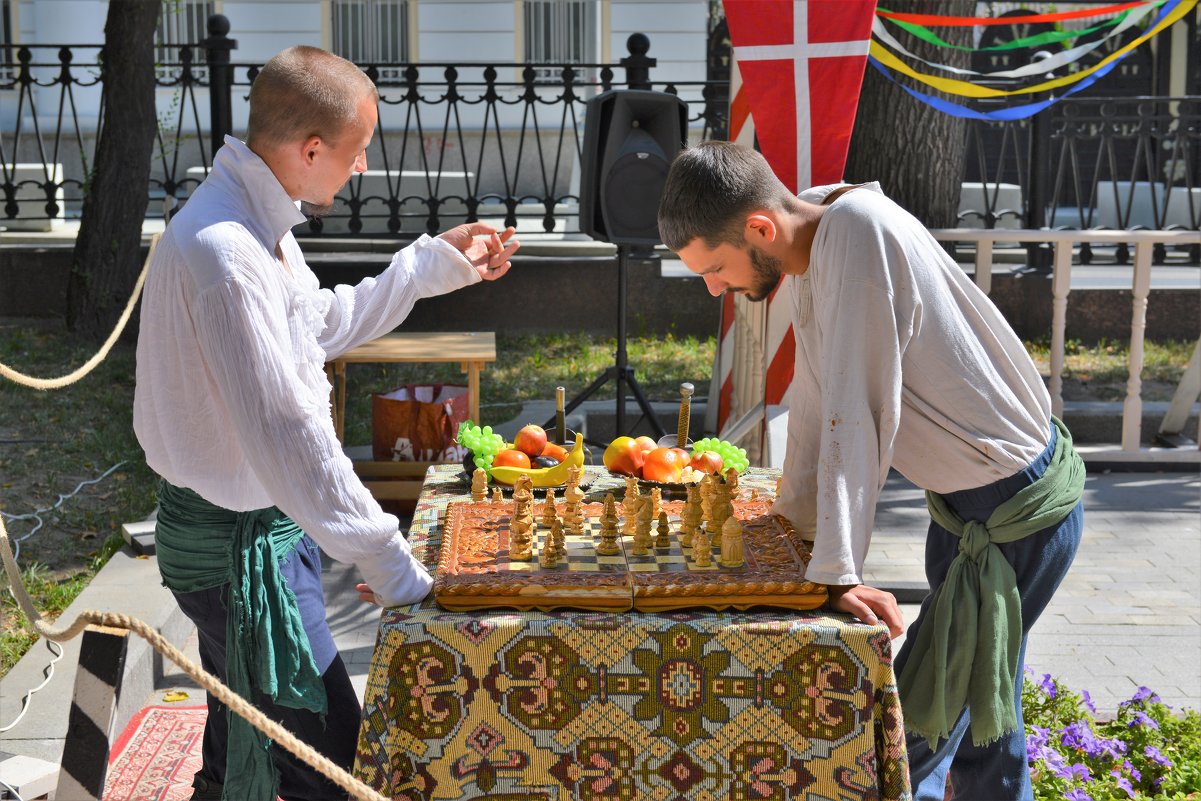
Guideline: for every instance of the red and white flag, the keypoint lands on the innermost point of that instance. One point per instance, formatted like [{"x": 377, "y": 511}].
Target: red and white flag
[{"x": 801, "y": 66}]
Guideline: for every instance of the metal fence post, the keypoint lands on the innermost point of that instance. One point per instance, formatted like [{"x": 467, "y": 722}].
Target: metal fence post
[
  {"x": 638, "y": 64},
  {"x": 217, "y": 47},
  {"x": 1038, "y": 255}
]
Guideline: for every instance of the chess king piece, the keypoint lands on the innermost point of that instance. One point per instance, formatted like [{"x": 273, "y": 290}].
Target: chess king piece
[
  {"x": 702, "y": 548},
  {"x": 731, "y": 543},
  {"x": 548, "y": 509},
  {"x": 548, "y": 556},
  {"x": 479, "y": 485},
  {"x": 663, "y": 536},
  {"x": 629, "y": 504},
  {"x": 642, "y": 530},
  {"x": 608, "y": 534},
  {"x": 690, "y": 518}
]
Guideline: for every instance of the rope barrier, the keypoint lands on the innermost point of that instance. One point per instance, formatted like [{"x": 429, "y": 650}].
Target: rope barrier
[
  {"x": 90, "y": 364},
  {"x": 240, "y": 706}
]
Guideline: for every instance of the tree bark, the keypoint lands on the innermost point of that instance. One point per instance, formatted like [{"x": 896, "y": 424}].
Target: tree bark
[
  {"x": 913, "y": 150},
  {"x": 107, "y": 256}
]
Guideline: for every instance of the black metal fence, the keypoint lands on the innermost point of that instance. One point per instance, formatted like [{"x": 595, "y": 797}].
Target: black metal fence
[{"x": 502, "y": 142}]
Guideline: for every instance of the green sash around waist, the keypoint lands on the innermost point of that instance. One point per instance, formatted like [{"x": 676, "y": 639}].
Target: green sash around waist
[
  {"x": 966, "y": 652},
  {"x": 201, "y": 546}
]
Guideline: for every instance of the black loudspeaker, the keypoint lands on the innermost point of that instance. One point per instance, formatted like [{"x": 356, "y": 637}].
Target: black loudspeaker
[{"x": 631, "y": 137}]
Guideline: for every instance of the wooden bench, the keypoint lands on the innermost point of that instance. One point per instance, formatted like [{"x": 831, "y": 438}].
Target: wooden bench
[{"x": 472, "y": 350}]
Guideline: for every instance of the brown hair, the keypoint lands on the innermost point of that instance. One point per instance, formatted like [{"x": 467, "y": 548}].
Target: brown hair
[
  {"x": 709, "y": 191},
  {"x": 305, "y": 91}
]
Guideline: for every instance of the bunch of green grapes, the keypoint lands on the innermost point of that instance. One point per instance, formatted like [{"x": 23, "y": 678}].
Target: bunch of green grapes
[
  {"x": 730, "y": 455},
  {"x": 483, "y": 444}
]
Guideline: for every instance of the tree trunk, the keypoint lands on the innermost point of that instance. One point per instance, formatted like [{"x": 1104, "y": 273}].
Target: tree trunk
[
  {"x": 108, "y": 256},
  {"x": 913, "y": 150}
]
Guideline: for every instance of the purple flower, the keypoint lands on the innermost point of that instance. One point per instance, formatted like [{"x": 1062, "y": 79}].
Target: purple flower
[
  {"x": 1077, "y": 795},
  {"x": 1088, "y": 702},
  {"x": 1152, "y": 753},
  {"x": 1133, "y": 771},
  {"x": 1122, "y": 782},
  {"x": 1140, "y": 695},
  {"x": 1142, "y": 719},
  {"x": 1048, "y": 685}
]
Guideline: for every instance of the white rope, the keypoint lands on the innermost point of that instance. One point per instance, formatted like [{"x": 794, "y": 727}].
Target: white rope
[{"x": 37, "y": 513}]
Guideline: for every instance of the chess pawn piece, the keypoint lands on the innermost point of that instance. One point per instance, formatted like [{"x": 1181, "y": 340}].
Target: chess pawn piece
[
  {"x": 656, "y": 502},
  {"x": 754, "y": 494},
  {"x": 663, "y": 537},
  {"x": 573, "y": 516},
  {"x": 549, "y": 555},
  {"x": 642, "y": 531},
  {"x": 629, "y": 504},
  {"x": 548, "y": 509},
  {"x": 556, "y": 538},
  {"x": 732, "y": 482},
  {"x": 479, "y": 485},
  {"x": 731, "y": 543},
  {"x": 702, "y": 548},
  {"x": 608, "y": 534},
  {"x": 497, "y": 495},
  {"x": 690, "y": 518}
]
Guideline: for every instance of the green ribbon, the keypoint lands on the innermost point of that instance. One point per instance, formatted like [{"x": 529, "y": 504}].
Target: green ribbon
[
  {"x": 966, "y": 653},
  {"x": 201, "y": 546},
  {"x": 1035, "y": 40}
]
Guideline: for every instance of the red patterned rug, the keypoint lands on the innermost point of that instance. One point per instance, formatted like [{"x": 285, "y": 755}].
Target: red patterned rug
[{"x": 156, "y": 756}]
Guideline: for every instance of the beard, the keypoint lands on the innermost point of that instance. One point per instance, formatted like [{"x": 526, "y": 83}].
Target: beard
[
  {"x": 315, "y": 210},
  {"x": 766, "y": 275}
]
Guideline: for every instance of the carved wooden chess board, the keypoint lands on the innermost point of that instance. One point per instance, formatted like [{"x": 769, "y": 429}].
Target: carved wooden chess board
[{"x": 476, "y": 572}]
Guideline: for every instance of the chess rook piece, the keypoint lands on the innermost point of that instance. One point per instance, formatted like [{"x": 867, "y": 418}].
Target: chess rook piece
[
  {"x": 702, "y": 549},
  {"x": 642, "y": 530},
  {"x": 608, "y": 534},
  {"x": 548, "y": 509},
  {"x": 663, "y": 536},
  {"x": 497, "y": 495},
  {"x": 479, "y": 485},
  {"x": 629, "y": 504},
  {"x": 690, "y": 518},
  {"x": 731, "y": 543}
]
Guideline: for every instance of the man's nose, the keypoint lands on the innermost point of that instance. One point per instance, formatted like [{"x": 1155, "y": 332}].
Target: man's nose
[
  {"x": 360, "y": 164},
  {"x": 715, "y": 285}
]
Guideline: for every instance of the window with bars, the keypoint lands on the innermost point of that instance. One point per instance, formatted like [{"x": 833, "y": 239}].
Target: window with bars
[
  {"x": 560, "y": 32},
  {"x": 371, "y": 32},
  {"x": 182, "y": 22}
]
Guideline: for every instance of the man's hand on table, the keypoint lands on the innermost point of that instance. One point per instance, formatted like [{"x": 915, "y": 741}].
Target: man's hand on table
[
  {"x": 366, "y": 594},
  {"x": 869, "y": 604},
  {"x": 487, "y": 250}
]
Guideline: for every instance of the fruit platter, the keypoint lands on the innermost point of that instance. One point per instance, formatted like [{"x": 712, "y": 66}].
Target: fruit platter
[
  {"x": 530, "y": 453},
  {"x": 673, "y": 468}
]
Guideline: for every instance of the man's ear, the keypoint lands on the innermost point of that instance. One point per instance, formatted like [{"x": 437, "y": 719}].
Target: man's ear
[
  {"x": 760, "y": 227},
  {"x": 309, "y": 149}
]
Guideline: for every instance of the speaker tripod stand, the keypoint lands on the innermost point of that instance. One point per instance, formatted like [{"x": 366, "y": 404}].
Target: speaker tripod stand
[{"x": 620, "y": 372}]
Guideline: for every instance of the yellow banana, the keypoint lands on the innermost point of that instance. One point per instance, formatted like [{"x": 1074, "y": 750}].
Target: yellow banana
[{"x": 543, "y": 476}]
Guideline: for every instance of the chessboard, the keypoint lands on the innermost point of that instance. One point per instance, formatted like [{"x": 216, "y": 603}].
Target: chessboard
[{"x": 475, "y": 570}]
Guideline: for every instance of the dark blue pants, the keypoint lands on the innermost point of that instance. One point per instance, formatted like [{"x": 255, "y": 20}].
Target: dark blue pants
[
  {"x": 998, "y": 770},
  {"x": 335, "y": 736}
]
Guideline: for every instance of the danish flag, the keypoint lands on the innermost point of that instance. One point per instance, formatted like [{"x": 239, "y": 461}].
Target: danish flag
[{"x": 801, "y": 66}]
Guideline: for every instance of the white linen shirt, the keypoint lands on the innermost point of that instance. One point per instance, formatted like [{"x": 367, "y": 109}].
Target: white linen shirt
[
  {"x": 901, "y": 360},
  {"x": 232, "y": 400}
]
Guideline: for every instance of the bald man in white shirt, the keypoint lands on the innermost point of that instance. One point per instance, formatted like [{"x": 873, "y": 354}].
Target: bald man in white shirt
[
  {"x": 232, "y": 409},
  {"x": 901, "y": 362}
]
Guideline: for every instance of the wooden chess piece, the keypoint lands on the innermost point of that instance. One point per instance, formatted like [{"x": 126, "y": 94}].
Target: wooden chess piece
[
  {"x": 656, "y": 502},
  {"x": 731, "y": 543},
  {"x": 629, "y": 504},
  {"x": 690, "y": 518},
  {"x": 663, "y": 536},
  {"x": 556, "y": 538},
  {"x": 573, "y": 516},
  {"x": 732, "y": 483},
  {"x": 702, "y": 548},
  {"x": 723, "y": 508},
  {"x": 548, "y": 509},
  {"x": 608, "y": 534},
  {"x": 642, "y": 531},
  {"x": 706, "y": 491},
  {"x": 521, "y": 534},
  {"x": 548, "y": 557},
  {"x": 497, "y": 495},
  {"x": 523, "y": 488},
  {"x": 754, "y": 494},
  {"x": 479, "y": 485}
]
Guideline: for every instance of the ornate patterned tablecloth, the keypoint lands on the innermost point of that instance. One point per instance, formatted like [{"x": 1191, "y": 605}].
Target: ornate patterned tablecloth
[{"x": 529, "y": 706}]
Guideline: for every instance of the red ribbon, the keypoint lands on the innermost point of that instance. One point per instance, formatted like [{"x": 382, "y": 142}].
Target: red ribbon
[{"x": 934, "y": 19}]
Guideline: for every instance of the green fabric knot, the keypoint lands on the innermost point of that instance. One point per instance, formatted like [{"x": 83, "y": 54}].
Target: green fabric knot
[
  {"x": 201, "y": 546},
  {"x": 974, "y": 540},
  {"x": 966, "y": 652}
]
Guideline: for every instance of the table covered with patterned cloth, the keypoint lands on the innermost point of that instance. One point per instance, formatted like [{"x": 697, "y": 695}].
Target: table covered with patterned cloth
[{"x": 532, "y": 706}]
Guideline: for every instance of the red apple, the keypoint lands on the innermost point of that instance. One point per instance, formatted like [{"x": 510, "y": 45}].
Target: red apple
[
  {"x": 530, "y": 440},
  {"x": 685, "y": 455},
  {"x": 707, "y": 462},
  {"x": 663, "y": 464},
  {"x": 646, "y": 444},
  {"x": 623, "y": 456},
  {"x": 511, "y": 457}
]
